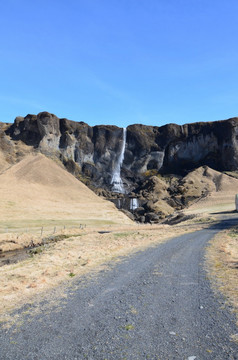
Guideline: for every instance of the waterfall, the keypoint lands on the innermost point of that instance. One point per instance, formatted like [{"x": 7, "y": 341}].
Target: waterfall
[
  {"x": 117, "y": 184},
  {"x": 134, "y": 204}
]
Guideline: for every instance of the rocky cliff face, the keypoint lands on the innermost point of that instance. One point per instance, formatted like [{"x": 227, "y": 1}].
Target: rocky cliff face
[
  {"x": 90, "y": 150},
  {"x": 174, "y": 149},
  {"x": 167, "y": 149},
  {"x": 94, "y": 151}
]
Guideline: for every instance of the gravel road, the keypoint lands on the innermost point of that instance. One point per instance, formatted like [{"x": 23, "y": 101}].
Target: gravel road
[{"x": 155, "y": 304}]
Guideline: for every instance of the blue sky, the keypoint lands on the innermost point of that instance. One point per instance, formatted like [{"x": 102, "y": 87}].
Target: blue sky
[{"x": 119, "y": 61}]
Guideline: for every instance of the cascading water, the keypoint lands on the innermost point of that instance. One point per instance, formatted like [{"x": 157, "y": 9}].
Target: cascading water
[
  {"x": 134, "y": 204},
  {"x": 117, "y": 184}
]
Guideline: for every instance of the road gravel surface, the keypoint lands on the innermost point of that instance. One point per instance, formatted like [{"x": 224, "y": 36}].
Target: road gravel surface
[{"x": 155, "y": 304}]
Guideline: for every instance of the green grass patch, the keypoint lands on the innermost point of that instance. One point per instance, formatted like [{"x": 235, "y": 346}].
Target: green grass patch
[
  {"x": 59, "y": 237},
  {"x": 37, "y": 250},
  {"x": 48, "y": 225},
  {"x": 129, "y": 327},
  {"x": 122, "y": 234}
]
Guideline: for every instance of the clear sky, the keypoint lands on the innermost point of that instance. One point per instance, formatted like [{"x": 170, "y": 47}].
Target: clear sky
[{"x": 119, "y": 61}]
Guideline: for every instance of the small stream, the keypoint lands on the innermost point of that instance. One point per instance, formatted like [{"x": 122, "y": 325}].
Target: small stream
[{"x": 14, "y": 256}]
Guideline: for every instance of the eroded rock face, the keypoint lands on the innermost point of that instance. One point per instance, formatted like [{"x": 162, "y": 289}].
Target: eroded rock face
[
  {"x": 202, "y": 144},
  {"x": 174, "y": 149},
  {"x": 95, "y": 150},
  {"x": 91, "y": 154}
]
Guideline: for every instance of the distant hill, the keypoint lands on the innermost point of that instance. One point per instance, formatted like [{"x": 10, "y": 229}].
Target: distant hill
[
  {"x": 215, "y": 191},
  {"x": 37, "y": 188}
]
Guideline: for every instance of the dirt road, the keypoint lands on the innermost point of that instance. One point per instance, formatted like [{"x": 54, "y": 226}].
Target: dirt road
[{"x": 156, "y": 304}]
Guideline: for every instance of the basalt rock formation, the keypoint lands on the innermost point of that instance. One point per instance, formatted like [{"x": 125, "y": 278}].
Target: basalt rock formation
[{"x": 92, "y": 153}]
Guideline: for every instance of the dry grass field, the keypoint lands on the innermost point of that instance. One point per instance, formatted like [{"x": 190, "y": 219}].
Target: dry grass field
[
  {"x": 41, "y": 203},
  {"x": 222, "y": 260},
  {"x": 77, "y": 252},
  {"x": 38, "y": 192},
  {"x": 220, "y": 190},
  {"x": 222, "y": 252}
]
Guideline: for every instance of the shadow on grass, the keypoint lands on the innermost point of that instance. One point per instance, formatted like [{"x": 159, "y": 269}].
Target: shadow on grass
[
  {"x": 225, "y": 212},
  {"x": 225, "y": 223}
]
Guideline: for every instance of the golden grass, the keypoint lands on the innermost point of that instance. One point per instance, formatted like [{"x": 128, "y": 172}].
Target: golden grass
[
  {"x": 38, "y": 192},
  {"x": 83, "y": 251},
  {"x": 222, "y": 260},
  {"x": 220, "y": 189}
]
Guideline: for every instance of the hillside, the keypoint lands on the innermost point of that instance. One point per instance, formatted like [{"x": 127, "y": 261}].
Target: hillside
[
  {"x": 216, "y": 191},
  {"x": 37, "y": 188},
  {"x": 152, "y": 164}
]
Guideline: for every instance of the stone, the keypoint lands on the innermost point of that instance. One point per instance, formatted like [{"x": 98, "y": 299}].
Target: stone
[{"x": 156, "y": 159}]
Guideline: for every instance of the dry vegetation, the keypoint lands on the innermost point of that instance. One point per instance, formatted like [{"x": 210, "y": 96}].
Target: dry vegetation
[
  {"x": 79, "y": 251},
  {"x": 222, "y": 253},
  {"x": 38, "y": 193},
  {"x": 222, "y": 260},
  {"x": 218, "y": 190}
]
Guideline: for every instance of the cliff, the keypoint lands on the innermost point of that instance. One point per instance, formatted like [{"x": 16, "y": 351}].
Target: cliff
[
  {"x": 168, "y": 149},
  {"x": 93, "y": 152}
]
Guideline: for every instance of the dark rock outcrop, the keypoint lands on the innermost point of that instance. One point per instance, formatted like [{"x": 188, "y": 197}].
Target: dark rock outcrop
[
  {"x": 166, "y": 149},
  {"x": 91, "y": 153}
]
